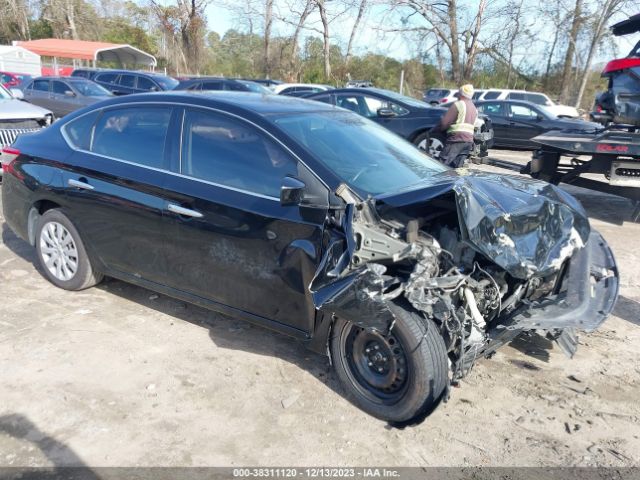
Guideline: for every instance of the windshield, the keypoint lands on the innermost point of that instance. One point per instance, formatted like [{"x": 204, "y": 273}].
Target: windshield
[
  {"x": 255, "y": 87},
  {"x": 167, "y": 83},
  {"x": 437, "y": 93},
  {"x": 90, "y": 89},
  {"x": 403, "y": 98},
  {"x": 4, "y": 93},
  {"x": 361, "y": 153}
]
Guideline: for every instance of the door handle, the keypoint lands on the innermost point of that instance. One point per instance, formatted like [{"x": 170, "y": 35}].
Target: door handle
[
  {"x": 80, "y": 184},
  {"x": 185, "y": 212}
]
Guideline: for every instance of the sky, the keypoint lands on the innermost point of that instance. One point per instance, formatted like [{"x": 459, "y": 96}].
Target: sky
[{"x": 370, "y": 39}]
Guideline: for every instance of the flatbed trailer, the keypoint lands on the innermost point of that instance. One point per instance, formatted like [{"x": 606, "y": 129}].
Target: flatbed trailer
[{"x": 563, "y": 157}]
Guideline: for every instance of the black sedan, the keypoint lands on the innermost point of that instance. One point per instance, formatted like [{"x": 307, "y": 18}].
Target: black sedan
[
  {"x": 515, "y": 123},
  {"x": 410, "y": 118},
  {"x": 315, "y": 222}
]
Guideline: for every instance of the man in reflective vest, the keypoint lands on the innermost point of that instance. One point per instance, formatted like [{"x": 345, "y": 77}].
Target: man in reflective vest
[{"x": 458, "y": 122}]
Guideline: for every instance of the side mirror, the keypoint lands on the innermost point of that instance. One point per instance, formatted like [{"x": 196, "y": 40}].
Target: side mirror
[
  {"x": 291, "y": 191},
  {"x": 539, "y": 118},
  {"x": 386, "y": 112},
  {"x": 17, "y": 93},
  {"x": 153, "y": 89},
  {"x": 69, "y": 93}
]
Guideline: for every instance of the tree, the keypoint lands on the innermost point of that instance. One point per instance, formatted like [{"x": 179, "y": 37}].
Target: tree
[
  {"x": 576, "y": 23},
  {"x": 361, "y": 9},
  {"x": 605, "y": 10}
]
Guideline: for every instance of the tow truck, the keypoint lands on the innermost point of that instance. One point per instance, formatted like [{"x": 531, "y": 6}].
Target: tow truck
[{"x": 613, "y": 151}]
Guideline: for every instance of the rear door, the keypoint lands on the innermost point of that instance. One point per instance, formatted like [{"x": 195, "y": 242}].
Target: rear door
[
  {"x": 229, "y": 239},
  {"x": 114, "y": 179},
  {"x": 38, "y": 93}
]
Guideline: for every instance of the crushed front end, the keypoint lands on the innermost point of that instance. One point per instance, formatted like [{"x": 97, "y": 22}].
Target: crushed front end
[{"x": 485, "y": 257}]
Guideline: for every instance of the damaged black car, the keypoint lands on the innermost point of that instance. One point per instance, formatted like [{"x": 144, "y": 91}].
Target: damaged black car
[{"x": 315, "y": 222}]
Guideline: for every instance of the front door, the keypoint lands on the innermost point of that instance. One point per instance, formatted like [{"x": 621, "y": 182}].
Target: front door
[{"x": 229, "y": 239}]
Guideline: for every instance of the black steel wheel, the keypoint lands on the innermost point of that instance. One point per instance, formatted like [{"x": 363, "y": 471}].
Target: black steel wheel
[{"x": 397, "y": 375}]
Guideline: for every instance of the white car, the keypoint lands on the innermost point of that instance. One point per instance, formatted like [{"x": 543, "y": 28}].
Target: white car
[
  {"x": 18, "y": 117},
  {"x": 298, "y": 89},
  {"x": 439, "y": 96},
  {"x": 534, "y": 97}
]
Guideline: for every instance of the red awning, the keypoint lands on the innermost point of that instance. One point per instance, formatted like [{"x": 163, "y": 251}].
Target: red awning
[{"x": 84, "y": 50}]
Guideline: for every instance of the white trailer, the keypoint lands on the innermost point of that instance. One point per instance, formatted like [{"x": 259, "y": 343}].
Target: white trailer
[{"x": 16, "y": 59}]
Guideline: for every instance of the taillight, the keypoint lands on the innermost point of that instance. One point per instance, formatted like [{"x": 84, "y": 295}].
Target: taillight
[
  {"x": 7, "y": 156},
  {"x": 444, "y": 100}
]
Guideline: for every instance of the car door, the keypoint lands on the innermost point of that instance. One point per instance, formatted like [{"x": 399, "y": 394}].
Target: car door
[
  {"x": 62, "y": 102},
  {"x": 108, "y": 80},
  {"x": 38, "y": 93},
  {"x": 229, "y": 239},
  {"x": 524, "y": 123},
  {"x": 126, "y": 84},
  {"x": 502, "y": 134},
  {"x": 371, "y": 107},
  {"x": 114, "y": 181},
  {"x": 145, "y": 84}
]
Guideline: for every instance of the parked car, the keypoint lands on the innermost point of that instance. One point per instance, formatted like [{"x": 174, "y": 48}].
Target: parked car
[
  {"x": 267, "y": 82},
  {"x": 359, "y": 84},
  {"x": 406, "y": 116},
  {"x": 540, "y": 99},
  {"x": 437, "y": 96},
  {"x": 124, "y": 82},
  {"x": 63, "y": 95},
  {"x": 515, "y": 123},
  {"x": 14, "y": 80},
  {"x": 300, "y": 89},
  {"x": 314, "y": 222},
  {"x": 221, "y": 83},
  {"x": 17, "y": 118}
]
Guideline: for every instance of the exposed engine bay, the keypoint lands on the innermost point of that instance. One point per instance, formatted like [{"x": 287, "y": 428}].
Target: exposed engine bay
[{"x": 482, "y": 266}]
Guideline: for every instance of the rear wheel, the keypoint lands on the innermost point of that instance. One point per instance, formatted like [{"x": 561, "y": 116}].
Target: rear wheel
[
  {"x": 61, "y": 253},
  {"x": 396, "y": 376}
]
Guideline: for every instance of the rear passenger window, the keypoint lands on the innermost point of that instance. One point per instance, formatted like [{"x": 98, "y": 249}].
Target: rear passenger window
[
  {"x": 516, "y": 96},
  {"x": 211, "y": 86},
  {"x": 79, "y": 131},
  {"x": 135, "y": 134},
  {"x": 228, "y": 152},
  {"x": 41, "y": 85},
  {"x": 106, "y": 77},
  {"x": 491, "y": 95}
]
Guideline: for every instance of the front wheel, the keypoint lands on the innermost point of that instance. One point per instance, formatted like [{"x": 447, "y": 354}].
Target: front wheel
[
  {"x": 396, "y": 376},
  {"x": 432, "y": 145}
]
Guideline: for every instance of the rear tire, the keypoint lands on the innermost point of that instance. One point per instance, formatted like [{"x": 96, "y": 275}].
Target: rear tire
[
  {"x": 395, "y": 377},
  {"x": 430, "y": 144},
  {"x": 61, "y": 253}
]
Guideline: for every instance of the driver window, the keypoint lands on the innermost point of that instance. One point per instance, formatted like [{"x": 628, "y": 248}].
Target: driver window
[{"x": 226, "y": 151}]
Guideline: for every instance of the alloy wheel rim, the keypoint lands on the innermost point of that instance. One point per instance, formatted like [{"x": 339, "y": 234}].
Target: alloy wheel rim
[
  {"x": 434, "y": 148},
  {"x": 58, "y": 250}
]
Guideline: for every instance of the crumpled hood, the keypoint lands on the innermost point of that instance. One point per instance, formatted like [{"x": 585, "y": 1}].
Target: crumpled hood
[
  {"x": 12, "y": 109},
  {"x": 527, "y": 227}
]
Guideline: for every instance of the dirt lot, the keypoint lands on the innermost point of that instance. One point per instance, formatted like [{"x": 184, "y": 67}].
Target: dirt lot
[{"x": 119, "y": 376}]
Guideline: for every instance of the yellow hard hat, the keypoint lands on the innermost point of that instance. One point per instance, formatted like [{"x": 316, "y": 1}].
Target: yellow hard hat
[{"x": 466, "y": 90}]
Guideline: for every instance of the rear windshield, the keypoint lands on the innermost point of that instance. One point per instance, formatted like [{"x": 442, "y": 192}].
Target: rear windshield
[{"x": 437, "y": 93}]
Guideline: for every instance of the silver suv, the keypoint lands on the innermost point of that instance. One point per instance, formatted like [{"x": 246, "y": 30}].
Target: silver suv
[{"x": 17, "y": 117}]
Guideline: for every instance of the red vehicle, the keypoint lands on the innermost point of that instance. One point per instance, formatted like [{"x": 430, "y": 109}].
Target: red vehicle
[{"x": 13, "y": 80}]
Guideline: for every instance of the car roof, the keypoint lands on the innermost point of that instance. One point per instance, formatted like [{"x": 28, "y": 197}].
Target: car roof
[
  {"x": 507, "y": 100},
  {"x": 247, "y": 101}
]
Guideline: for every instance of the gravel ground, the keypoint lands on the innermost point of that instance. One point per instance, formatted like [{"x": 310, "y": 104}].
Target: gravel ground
[{"x": 120, "y": 376}]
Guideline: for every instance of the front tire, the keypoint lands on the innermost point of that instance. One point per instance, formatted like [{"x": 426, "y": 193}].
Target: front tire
[
  {"x": 430, "y": 144},
  {"x": 61, "y": 253},
  {"x": 395, "y": 377}
]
